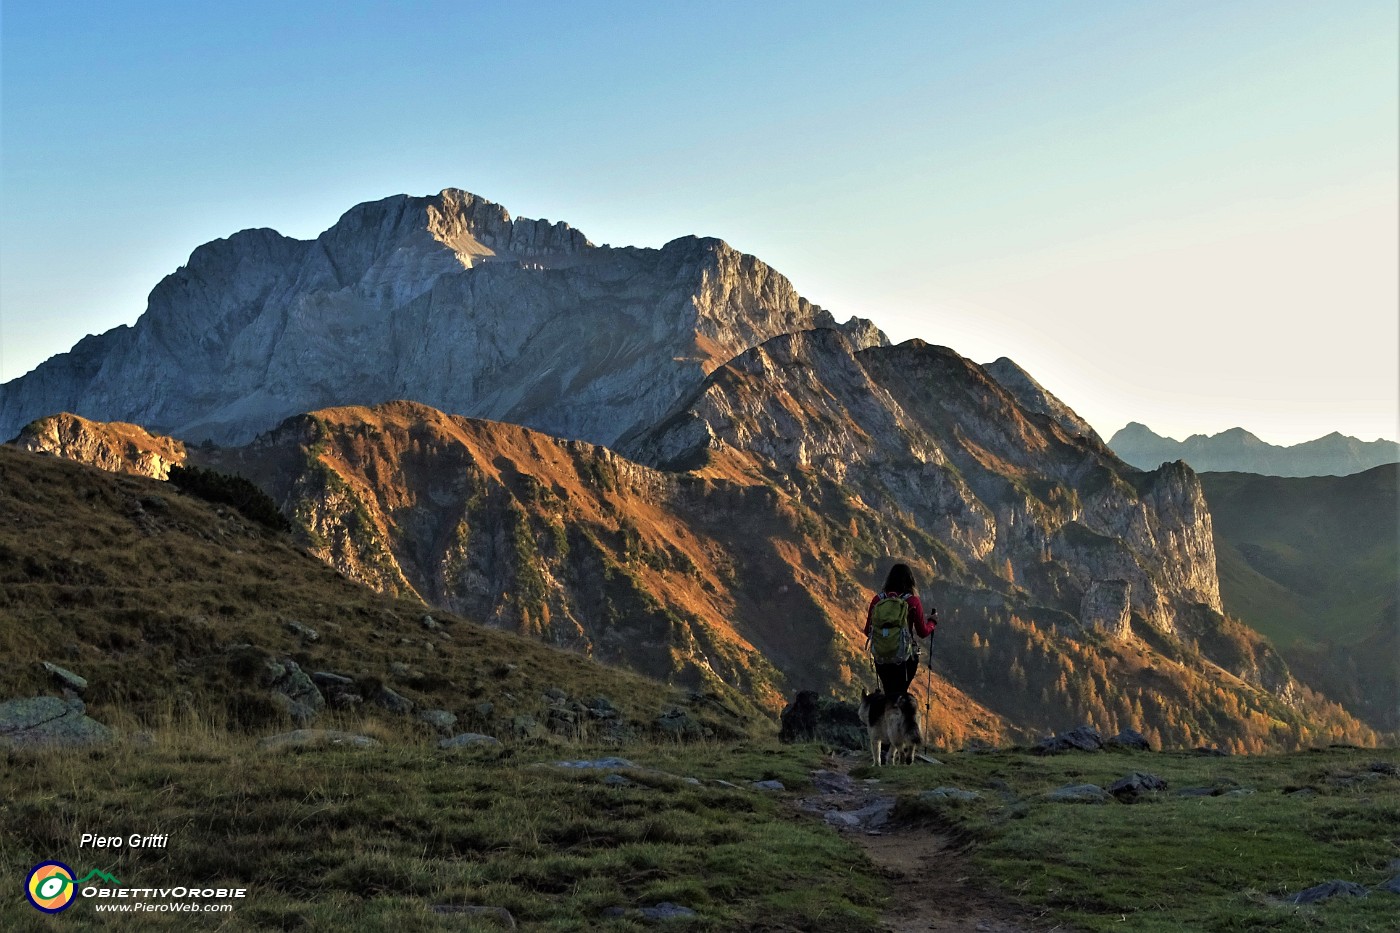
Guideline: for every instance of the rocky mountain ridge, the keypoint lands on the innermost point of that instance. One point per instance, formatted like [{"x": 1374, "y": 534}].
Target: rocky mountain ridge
[
  {"x": 1239, "y": 451},
  {"x": 445, "y": 300},
  {"x": 677, "y": 463},
  {"x": 721, "y": 575}
]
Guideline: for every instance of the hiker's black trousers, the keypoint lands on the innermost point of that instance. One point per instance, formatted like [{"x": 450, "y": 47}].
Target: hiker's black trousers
[{"x": 896, "y": 678}]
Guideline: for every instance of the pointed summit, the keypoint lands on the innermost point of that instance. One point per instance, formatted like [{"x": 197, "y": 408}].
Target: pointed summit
[{"x": 1037, "y": 398}]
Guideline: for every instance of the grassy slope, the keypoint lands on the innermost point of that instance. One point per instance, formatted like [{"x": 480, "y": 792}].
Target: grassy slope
[
  {"x": 1311, "y": 558},
  {"x": 334, "y": 839},
  {"x": 148, "y": 593},
  {"x": 1172, "y": 863},
  {"x": 1314, "y": 564},
  {"x": 331, "y": 839}
]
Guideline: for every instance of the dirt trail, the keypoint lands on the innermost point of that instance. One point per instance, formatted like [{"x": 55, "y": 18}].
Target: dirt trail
[{"x": 934, "y": 888}]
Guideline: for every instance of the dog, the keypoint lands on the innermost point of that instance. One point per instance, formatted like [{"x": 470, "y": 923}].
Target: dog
[{"x": 894, "y": 726}]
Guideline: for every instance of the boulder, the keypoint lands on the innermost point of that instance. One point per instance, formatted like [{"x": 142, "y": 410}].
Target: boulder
[
  {"x": 677, "y": 723},
  {"x": 666, "y": 911},
  {"x": 525, "y": 727},
  {"x": 49, "y": 722},
  {"x": 340, "y": 691},
  {"x": 767, "y": 785},
  {"x": 66, "y": 678},
  {"x": 393, "y": 702},
  {"x": 1131, "y": 739},
  {"x": 468, "y": 740},
  {"x": 1392, "y": 886},
  {"x": 1326, "y": 890},
  {"x": 601, "y": 708},
  {"x": 439, "y": 719},
  {"x": 871, "y": 817},
  {"x": 304, "y": 632},
  {"x": 1083, "y": 738},
  {"x": 1080, "y": 793},
  {"x": 293, "y": 690},
  {"x": 1135, "y": 785}
]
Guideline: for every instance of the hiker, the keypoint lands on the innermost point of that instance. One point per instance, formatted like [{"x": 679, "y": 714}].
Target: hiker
[{"x": 893, "y": 620}]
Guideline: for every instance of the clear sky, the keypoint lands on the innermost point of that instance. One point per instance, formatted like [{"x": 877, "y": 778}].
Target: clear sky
[{"x": 1179, "y": 213}]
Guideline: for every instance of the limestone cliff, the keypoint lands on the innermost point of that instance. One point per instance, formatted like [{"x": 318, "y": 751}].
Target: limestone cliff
[
  {"x": 753, "y": 570},
  {"x": 446, "y": 300}
]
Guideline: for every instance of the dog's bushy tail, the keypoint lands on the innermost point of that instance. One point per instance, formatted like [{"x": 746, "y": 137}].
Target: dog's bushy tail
[{"x": 910, "y": 712}]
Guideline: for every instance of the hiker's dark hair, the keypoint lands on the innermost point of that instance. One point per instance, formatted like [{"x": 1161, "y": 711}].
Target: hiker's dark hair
[{"x": 900, "y": 580}]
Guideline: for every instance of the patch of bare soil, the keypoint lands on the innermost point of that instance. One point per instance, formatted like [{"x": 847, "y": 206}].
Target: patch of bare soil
[{"x": 934, "y": 888}]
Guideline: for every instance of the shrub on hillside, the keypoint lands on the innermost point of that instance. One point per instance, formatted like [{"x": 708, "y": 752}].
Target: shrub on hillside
[{"x": 226, "y": 489}]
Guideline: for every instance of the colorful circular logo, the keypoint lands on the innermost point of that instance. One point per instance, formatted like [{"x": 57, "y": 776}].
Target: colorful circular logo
[{"x": 49, "y": 887}]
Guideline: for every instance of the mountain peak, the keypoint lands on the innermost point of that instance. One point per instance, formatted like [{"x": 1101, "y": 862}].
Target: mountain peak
[
  {"x": 445, "y": 299},
  {"x": 1035, "y": 397}
]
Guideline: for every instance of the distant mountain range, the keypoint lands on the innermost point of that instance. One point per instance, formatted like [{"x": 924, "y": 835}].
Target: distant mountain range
[
  {"x": 669, "y": 460},
  {"x": 1236, "y": 450}
]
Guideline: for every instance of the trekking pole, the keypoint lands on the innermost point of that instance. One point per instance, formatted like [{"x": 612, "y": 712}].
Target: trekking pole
[{"x": 928, "y": 680}]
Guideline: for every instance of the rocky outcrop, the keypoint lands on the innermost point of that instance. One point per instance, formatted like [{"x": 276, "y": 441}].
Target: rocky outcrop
[
  {"x": 922, "y": 432},
  {"x": 446, "y": 300},
  {"x": 49, "y": 722},
  {"x": 1107, "y": 606},
  {"x": 115, "y": 447},
  {"x": 1036, "y": 398}
]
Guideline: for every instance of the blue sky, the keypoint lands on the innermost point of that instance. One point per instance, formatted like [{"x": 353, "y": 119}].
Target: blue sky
[{"x": 1178, "y": 213}]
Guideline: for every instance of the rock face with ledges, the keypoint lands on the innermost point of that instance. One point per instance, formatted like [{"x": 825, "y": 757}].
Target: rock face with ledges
[
  {"x": 921, "y": 431},
  {"x": 445, "y": 300},
  {"x": 116, "y": 447}
]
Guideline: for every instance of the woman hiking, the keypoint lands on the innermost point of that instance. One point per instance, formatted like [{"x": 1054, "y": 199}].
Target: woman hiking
[{"x": 893, "y": 620}]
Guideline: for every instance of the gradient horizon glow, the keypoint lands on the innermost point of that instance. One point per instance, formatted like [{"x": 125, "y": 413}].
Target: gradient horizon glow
[{"x": 1183, "y": 214}]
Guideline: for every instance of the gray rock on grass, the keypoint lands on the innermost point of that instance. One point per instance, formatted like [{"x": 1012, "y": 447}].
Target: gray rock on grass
[
  {"x": 49, "y": 722},
  {"x": 949, "y": 793},
  {"x": 1130, "y": 739},
  {"x": 468, "y": 740},
  {"x": 1082, "y": 738},
  {"x": 605, "y": 763},
  {"x": 1129, "y": 789},
  {"x": 666, "y": 911},
  {"x": 393, "y": 702},
  {"x": 293, "y": 690},
  {"x": 66, "y": 678},
  {"x": 1327, "y": 890},
  {"x": 439, "y": 719},
  {"x": 1080, "y": 793},
  {"x": 872, "y": 816}
]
